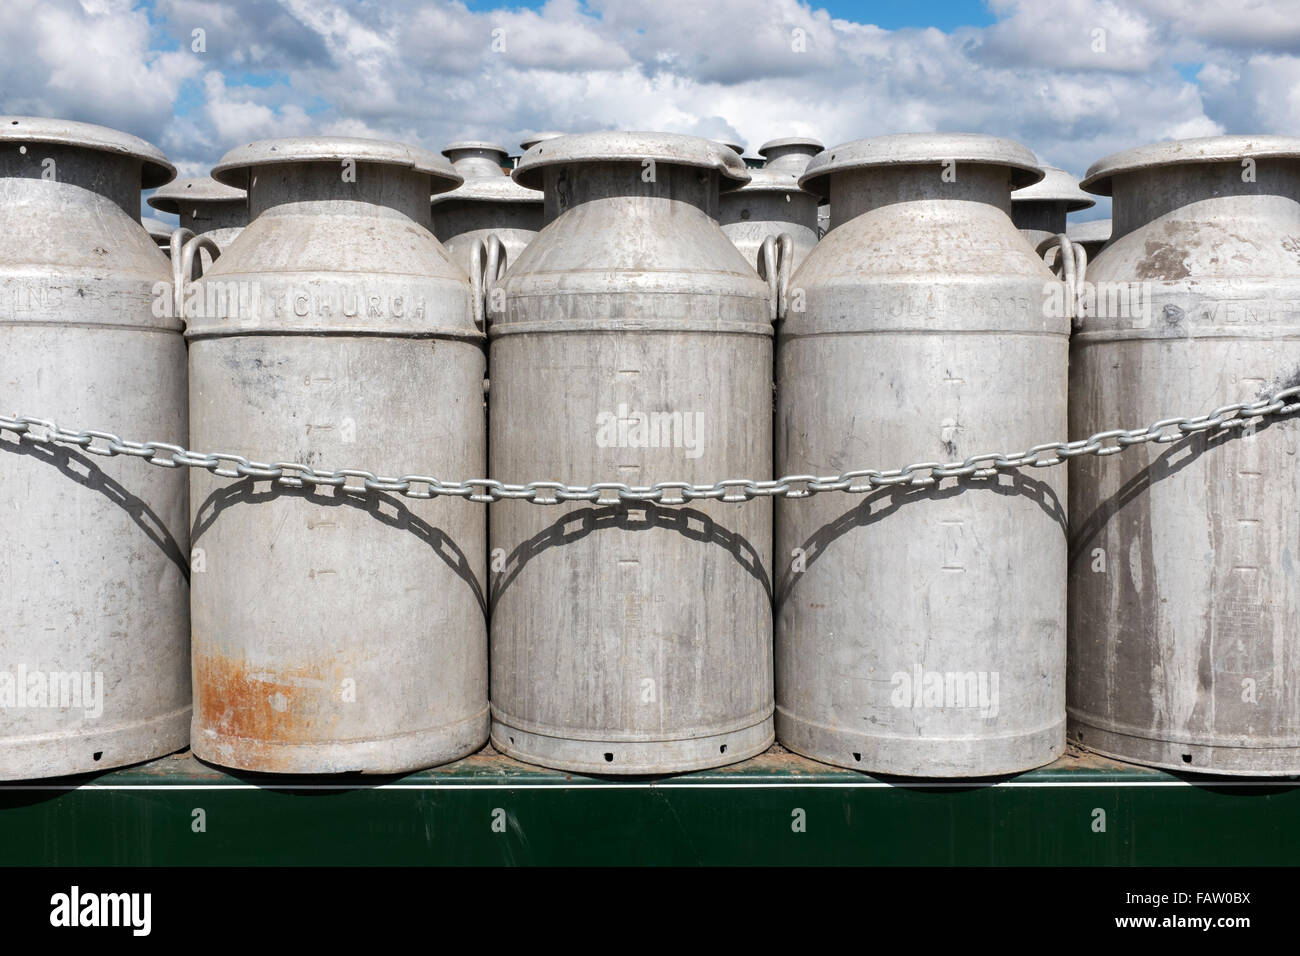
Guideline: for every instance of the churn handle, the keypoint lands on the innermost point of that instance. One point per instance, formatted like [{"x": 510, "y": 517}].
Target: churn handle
[
  {"x": 774, "y": 258},
  {"x": 176, "y": 246},
  {"x": 191, "y": 263},
  {"x": 487, "y": 264},
  {"x": 1072, "y": 259}
]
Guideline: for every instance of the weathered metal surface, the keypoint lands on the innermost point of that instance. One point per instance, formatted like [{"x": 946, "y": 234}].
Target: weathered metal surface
[
  {"x": 488, "y": 204},
  {"x": 206, "y": 208},
  {"x": 536, "y": 138},
  {"x": 336, "y": 631},
  {"x": 159, "y": 231},
  {"x": 772, "y": 202},
  {"x": 1092, "y": 235},
  {"x": 1039, "y": 210},
  {"x": 94, "y": 641},
  {"x": 631, "y": 638},
  {"x": 1185, "y": 603},
  {"x": 777, "y": 808},
  {"x": 921, "y": 631}
]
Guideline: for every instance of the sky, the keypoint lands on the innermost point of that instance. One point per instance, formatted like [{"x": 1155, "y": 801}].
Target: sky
[{"x": 1074, "y": 80}]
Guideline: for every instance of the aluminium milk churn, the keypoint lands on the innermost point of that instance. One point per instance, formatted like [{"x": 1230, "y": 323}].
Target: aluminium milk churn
[
  {"x": 1039, "y": 210},
  {"x": 1184, "y": 629},
  {"x": 772, "y": 202},
  {"x": 205, "y": 207},
  {"x": 921, "y": 626},
  {"x": 94, "y": 644},
  {"x": 628, "y": 636},
  {"x": 334, "y": 630},
  {"x": 489, "y": 203}
]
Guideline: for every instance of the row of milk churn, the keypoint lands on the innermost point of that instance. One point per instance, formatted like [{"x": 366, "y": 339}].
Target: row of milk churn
[{"x": 912, "y": 629}]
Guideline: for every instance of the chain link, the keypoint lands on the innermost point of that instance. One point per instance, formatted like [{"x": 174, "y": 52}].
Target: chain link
[{"x": 1046, "y": 455}]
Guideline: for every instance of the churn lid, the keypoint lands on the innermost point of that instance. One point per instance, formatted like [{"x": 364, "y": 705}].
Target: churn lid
[
  {"x": 484, "y": 182},
  {"x": 234, "y": 166},
  {"x": 155, "y": 170},
  {"x": 614, "y": 146},
  {"x": 536, "y": 138},
  {"x": 922, "y": 149},
  {"x": 1056, "y": 186},
  {"x": 1095, "y": 230},
  {"x": 205, "y": 190},
  {"x": 1206, "y": 149}
]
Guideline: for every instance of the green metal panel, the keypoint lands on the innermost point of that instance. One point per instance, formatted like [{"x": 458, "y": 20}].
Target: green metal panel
[{"x": 775, "y": 809}]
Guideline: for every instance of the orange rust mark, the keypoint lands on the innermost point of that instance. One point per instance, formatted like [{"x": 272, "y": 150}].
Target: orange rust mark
[{"x": 239, "y": 699}]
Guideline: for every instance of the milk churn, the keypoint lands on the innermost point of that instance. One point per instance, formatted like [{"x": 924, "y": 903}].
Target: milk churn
[
  {"x": 489, "y": 203},
  {"x": 336, "y": 631},
  {"x": 772, "y": 203},
  {"x": 631, "y": 637},
  {"x": 159, "y": 232},
  {"x": 1184, "y": 597},
  {"x": 94, "y": 643},
  {"x": 921, "y": 626},
  {"x": 1039, "y": 210},
  {"x": 1092, "y": 235},
  {"x": 205, "y": 207}
]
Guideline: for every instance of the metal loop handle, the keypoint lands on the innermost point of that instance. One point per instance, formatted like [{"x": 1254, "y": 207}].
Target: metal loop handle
[
  {"x": 176, "y": 249},
  {"x": 487, "y": 266},
  {"x": 1071, "y": 266},
  {"x": 774, "y": 259},
  {"x": 190, "y": 264}
]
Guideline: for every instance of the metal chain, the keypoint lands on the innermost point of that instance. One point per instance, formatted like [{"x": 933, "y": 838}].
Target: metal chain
[{"x": 1046, "y": 455}]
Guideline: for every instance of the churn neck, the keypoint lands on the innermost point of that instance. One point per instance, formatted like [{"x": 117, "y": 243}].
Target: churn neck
[
  {"x": 63, "y": 153},
  {"x": 477, "y": 160},
  {"x": 858, "y": 191},
  {"x": 1203, "y": 191},
  {"x": 789, "y": 155},
  {"x": 342, "y": 176},
  {"x": 931, "y": 168},
  {"x": 1045, "y": 215},
  {"x": 1207, "y": 177},
  {"x": 571, "y": 185}
]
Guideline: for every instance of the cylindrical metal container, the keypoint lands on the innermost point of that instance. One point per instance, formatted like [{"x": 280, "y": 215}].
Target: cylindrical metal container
[
  {"x": 1092, "y": 235},
  {"x": 636, "y": 348},
  {"x": 337, "y": 631},
  {"x": 772, "y": 203},
  {"x": 94, "y": 642},
  {"x": 489, "y": 203},
  {"x": 921, "y": 628},
  {"x": 205, "y": 207},
  {"x": 1184, "y": 595},
  {"x": 159, "y": 232},
  {"x": 1039, "y": 210}
]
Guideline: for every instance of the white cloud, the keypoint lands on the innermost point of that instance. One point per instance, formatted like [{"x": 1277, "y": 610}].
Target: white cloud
[{"x": 427, "y": 72}]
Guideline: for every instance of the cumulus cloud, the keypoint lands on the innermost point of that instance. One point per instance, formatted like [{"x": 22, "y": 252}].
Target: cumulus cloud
[{"x": 1074, "y": 81}]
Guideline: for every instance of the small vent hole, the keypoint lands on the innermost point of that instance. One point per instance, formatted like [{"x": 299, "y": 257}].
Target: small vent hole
[
  {"x": 1187, "y": 758},
  {"x": 609, "y": 758},
  {"x": 97, "y": 755}
]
